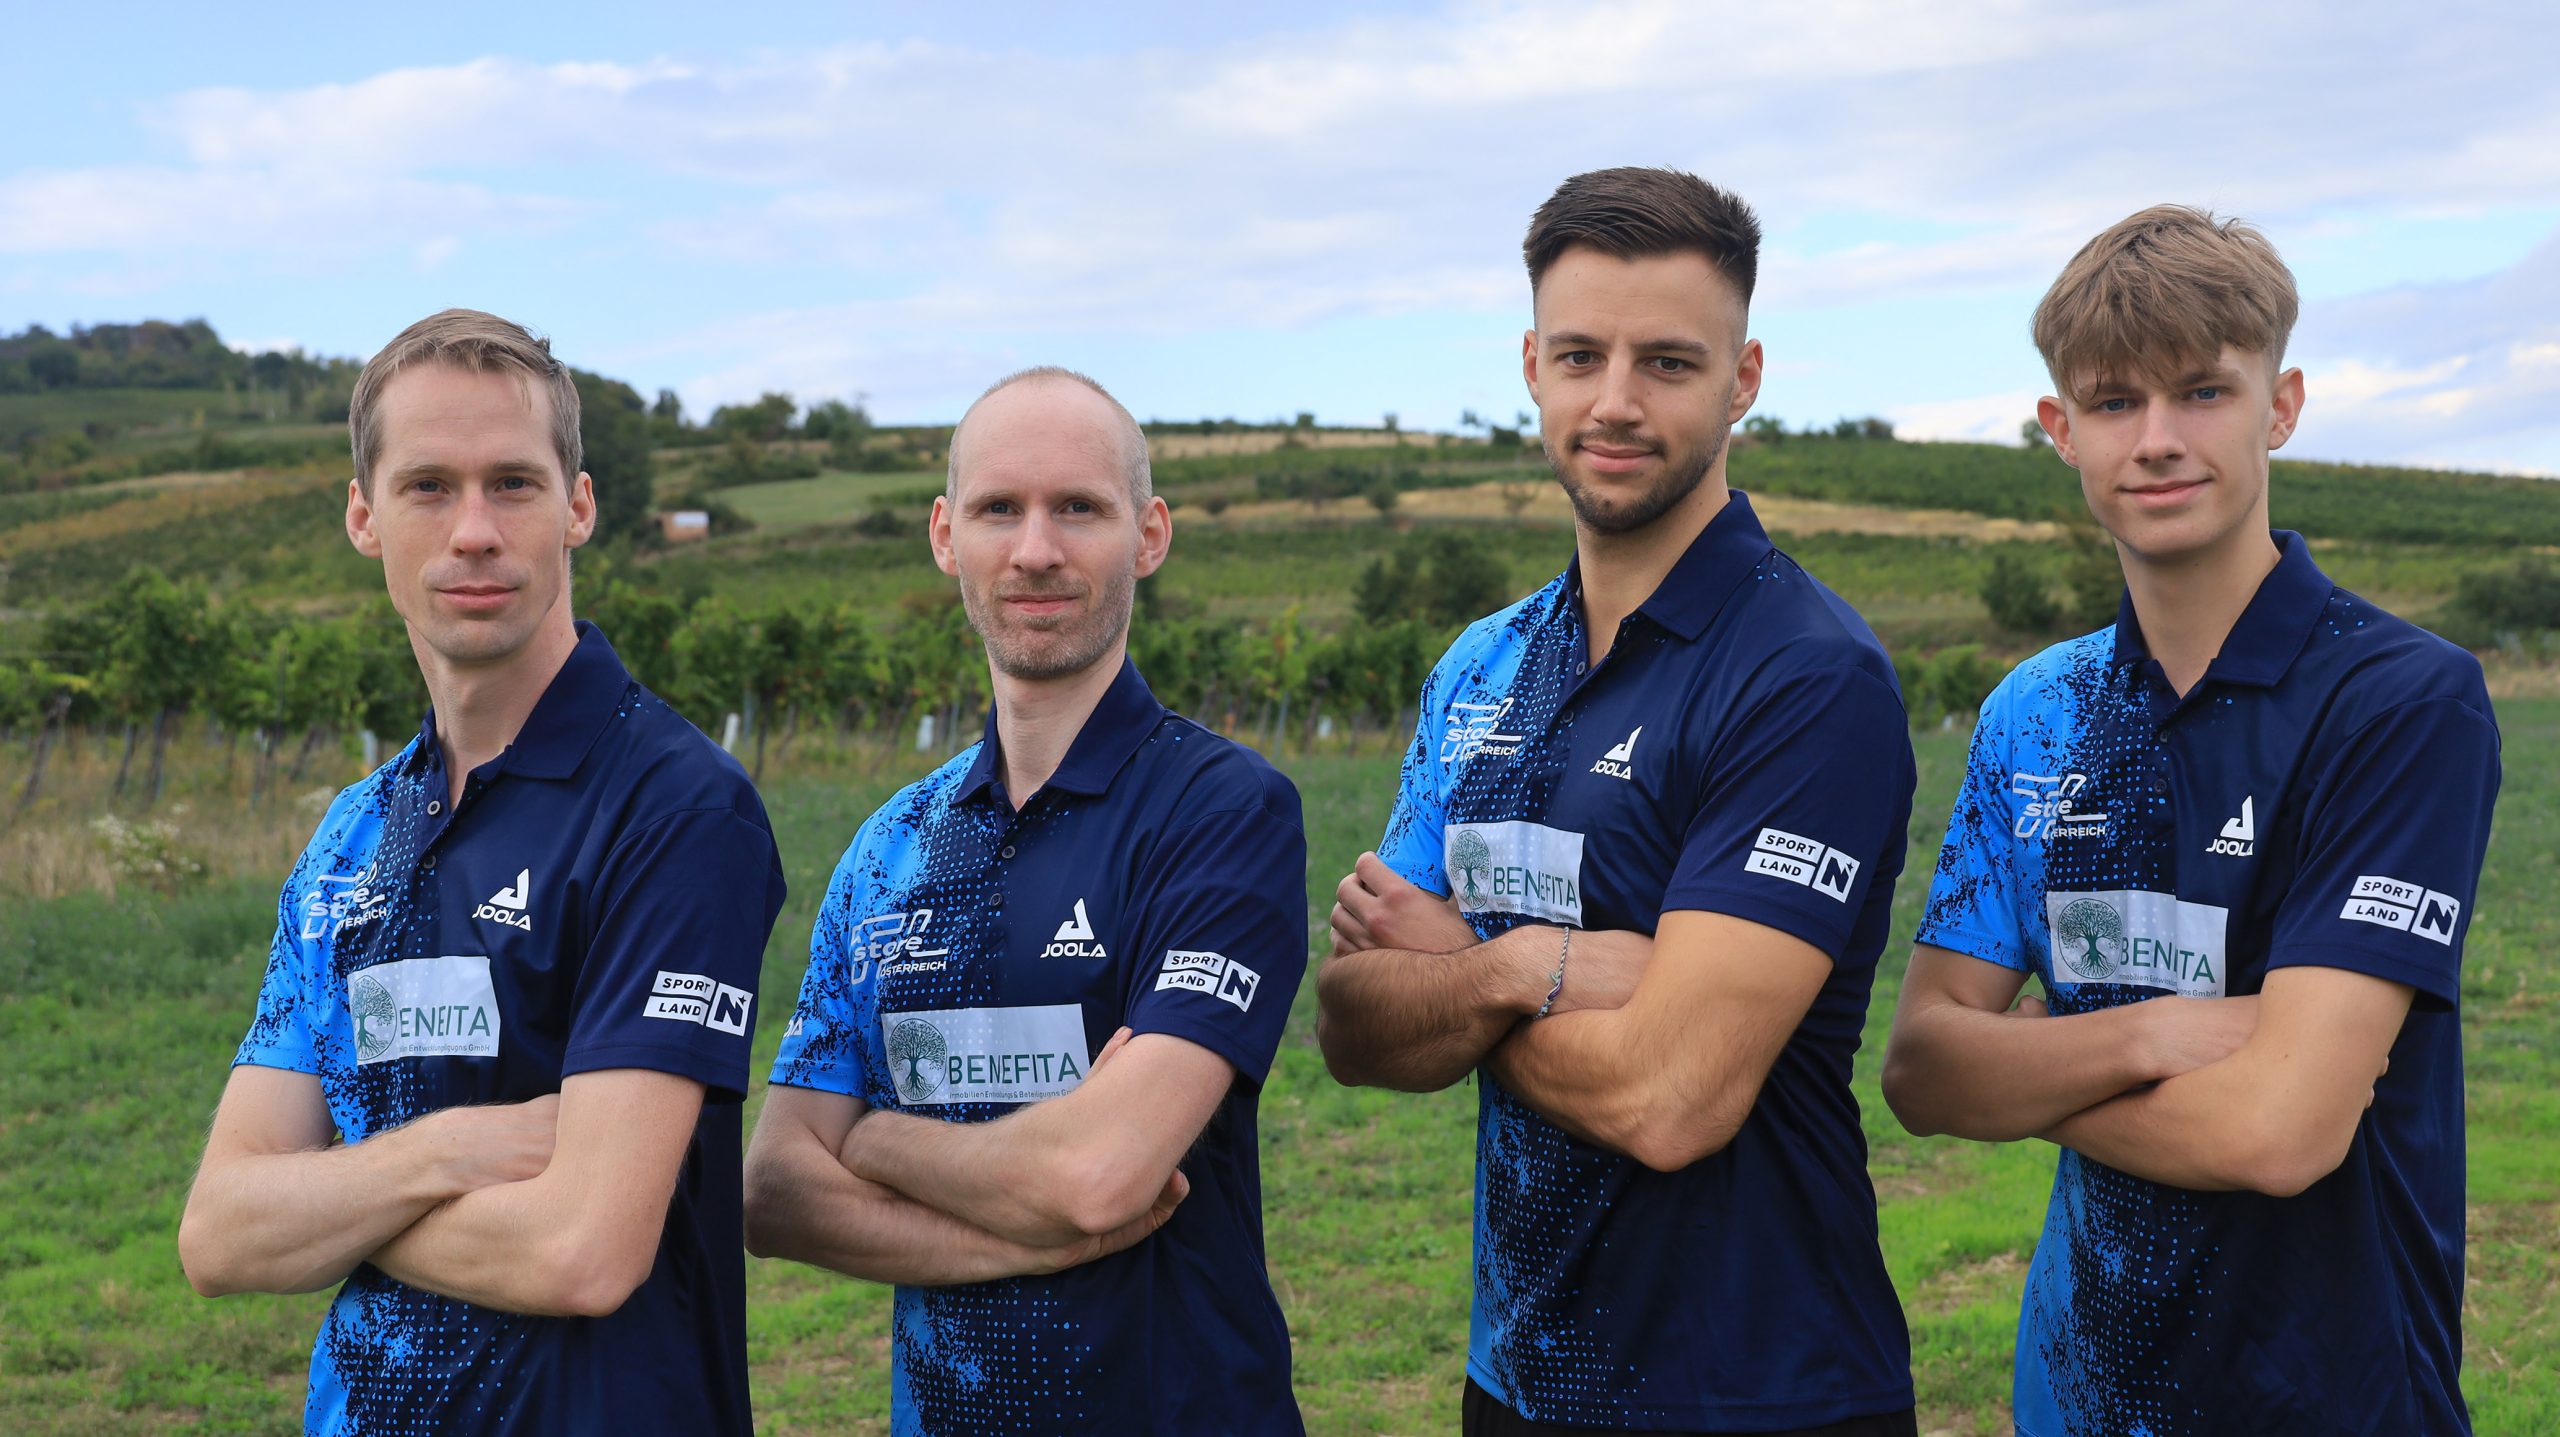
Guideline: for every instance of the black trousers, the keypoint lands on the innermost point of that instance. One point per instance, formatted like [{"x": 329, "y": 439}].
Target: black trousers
[{"x": 1483, "y": 1415}]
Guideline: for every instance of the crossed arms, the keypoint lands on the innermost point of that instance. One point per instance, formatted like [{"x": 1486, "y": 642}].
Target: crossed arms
[
  {"x": 552, "y": 1207},
  {"x": 1655, "y": 1049},
  {"x": 2258, "y": 1093},
  {"x": 898, "y": 1198}
]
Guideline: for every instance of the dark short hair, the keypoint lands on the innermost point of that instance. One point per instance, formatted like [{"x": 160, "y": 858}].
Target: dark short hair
[{"x": 1637, "y": 211}]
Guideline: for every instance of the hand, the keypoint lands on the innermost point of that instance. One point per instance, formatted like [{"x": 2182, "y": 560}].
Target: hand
[
  {"x": 481, "y": 1147},
  {"x": 1374, "y": 907},
  {"x": 1603, "y": 970},
  {"x": 1130, "y": 1234},
  {"x": 2188, "y": 1033},
  {"x": 1118, "y": 1041}
]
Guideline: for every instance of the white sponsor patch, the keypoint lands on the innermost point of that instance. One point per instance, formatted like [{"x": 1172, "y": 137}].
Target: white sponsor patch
[
  {"x": 2409, "y": 907},
  {"x": 1798, "y": 859},
  {"x": 698, "y": 998},
  {"x": 424, "y": 1008},
  {"x": 2137, "y": 937},
  {"x": 1212, "y": 973},
  {"x": 985, "y": 1055},
  {"x": 1515, "y": 867}
]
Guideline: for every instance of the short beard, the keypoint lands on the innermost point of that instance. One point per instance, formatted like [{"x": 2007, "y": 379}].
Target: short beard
[
  {"x": 1594, "y": 514},
  {"x": 1073, "y": 649}
]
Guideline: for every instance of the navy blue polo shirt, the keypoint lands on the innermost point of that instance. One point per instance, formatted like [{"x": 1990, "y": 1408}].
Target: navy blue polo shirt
[
  {"x": 971, "y": 958},
  {"x": 2321, "y": 797},
  {"x": 599, "y": 898},
  {"x": 1742, "y": 749}
]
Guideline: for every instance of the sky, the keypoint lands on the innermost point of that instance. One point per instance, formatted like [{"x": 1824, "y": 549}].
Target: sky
[{"x": 1257, "y": 210}]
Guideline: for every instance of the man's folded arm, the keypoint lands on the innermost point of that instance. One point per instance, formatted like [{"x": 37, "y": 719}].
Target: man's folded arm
[
  {"x": 277, "y": 1206},
  {"x": 1669, "y": 1078},
  {"x": 804, "y": 1205},
  {"x": 578, "y": 1238},
  {"x": 1420, "y": 1021},
  {"x": 1085, "y": 1164},
  {"x": 1960, "y": 1061},
  {"x": 2275, "y": 1116}
]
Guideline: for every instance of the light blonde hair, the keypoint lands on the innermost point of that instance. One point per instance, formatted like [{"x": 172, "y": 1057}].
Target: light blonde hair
[
  {"x": 2159, "y": 294},
  {"x": 480, "y": 343}
]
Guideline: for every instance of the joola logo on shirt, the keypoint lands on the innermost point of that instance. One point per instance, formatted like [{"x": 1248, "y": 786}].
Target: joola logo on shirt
[
  {"x": 507, "y": 904},
  {"x": 2405, "y": 906},
  {"x": 2137, "y": 937},
  {"x": 699, "y": 998},
  {"x": 1619, "y": 761},
  {"x": 1515, "y": 867},
  {"x": 984, "y": 1055},
  {"x": 1074, "y": 938},
  {"x": 2052, "y": 808},
  {"x": 424, "y": 1008},
  {"x": 1471, "y": 731},
  {"x": 2239, "y": 835}
]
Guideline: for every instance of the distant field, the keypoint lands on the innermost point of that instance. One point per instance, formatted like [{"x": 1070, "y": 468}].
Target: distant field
[
  {"x": 119, "y": 1016},
  {"x": 789, "y": 505}
]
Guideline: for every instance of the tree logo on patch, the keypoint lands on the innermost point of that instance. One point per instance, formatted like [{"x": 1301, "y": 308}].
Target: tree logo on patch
[
  {"x": 2091, "y": 939},
  {"x": 377, "y": 1019},
  {"x": 917, "y": 1054},
  {"x": 1471, "y": 856}
]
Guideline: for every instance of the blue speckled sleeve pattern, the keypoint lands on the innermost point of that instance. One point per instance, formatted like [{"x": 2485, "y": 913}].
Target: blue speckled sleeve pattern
[{"x": 1976, "y": 897}]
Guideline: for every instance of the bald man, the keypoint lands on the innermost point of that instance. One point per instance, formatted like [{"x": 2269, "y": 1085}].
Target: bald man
[{"x": 1044, "y": 990}]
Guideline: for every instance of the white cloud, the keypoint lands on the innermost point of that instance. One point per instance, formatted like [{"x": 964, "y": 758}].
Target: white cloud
[{"x": 1990, "y": 418}]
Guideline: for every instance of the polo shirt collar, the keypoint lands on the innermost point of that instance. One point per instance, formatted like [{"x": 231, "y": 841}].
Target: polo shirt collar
[
  {"x": 1715, "y": 564},
  {"x": 1126, "y": 716},
  {"x": 566, "y": 721},
  {"x": 2271, "y": 630}
]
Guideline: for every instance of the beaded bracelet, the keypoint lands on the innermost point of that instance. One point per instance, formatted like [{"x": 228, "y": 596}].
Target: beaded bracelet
[{"x": 1558, "y": 985}]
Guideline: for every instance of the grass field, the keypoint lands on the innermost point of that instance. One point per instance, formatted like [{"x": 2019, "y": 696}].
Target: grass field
[{"x": 119, "y": 1014}]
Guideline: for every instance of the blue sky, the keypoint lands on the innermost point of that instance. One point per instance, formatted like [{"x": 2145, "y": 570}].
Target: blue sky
[{"x": 1258, "y": 210}]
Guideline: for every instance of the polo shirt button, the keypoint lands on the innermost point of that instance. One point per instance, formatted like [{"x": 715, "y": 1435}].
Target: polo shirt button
[
  {"x": 2159, "y": 782},
  {"x": 434, "y": 807},
  {"x": 1005, "y": 852},
  {"x": 428, "y": 864}
]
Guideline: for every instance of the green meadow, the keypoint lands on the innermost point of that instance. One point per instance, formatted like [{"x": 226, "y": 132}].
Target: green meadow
[{"x": 119, "y": 1015}]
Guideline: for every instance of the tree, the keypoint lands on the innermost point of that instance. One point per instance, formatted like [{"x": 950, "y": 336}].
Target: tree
[
  {"x": 1765, "y": 428},
  {"x": 766, "y": 420},
  {"x": 613, "y": 422},
  {"x": 2017, "y": 596},
  {"x": 1382, "y": 497},
  {"x": 2033, "y": 433}
]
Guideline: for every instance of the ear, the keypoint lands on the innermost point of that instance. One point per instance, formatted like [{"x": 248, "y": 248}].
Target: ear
[
  {"x": 1155, "y": 535},
  {"x": 582, "y": 510},
  {"x": 1529, "y": 362},
  {"x": 2285, "y": 413},
  {"x": 1746, "y": 381},
  {"x": 938, "y": 533},
  {"x": 360, "y": 522},
  {"x": 2055, "y": 416}
]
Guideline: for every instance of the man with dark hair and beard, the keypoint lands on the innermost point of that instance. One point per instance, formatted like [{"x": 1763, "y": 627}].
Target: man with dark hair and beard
[
  {"x": 1667, "y": 797},
  {"x": 1044, "y": 990}
]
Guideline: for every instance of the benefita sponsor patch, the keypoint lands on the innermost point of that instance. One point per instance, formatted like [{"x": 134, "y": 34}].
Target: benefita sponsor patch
[
  {"x": 1515, "y": 867},
  {"x": 984, "y": 1055},
  {"x": 424, "y": 1008}
]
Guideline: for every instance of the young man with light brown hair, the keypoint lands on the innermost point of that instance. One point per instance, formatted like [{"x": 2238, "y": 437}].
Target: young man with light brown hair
[
  {"x": 2236, "y": 838},
  {"x": 492, "y": 1090}
]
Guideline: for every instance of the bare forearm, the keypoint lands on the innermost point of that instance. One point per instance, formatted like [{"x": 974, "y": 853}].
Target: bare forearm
[
  {"x": 1012, "y": 1178},
  {"x": 501, "y": 1247},
  {"x": 810, "y": 1209},
  {"x": 1418, "y": 1022},
  {"x": 1582, "y": 1071},
  {"x": 2216, "y": 1129},
  {"x": 1998, "y": 1077},
  {"x": 2143, "y": 1134},
  {"x": 299, "y": 1222}
]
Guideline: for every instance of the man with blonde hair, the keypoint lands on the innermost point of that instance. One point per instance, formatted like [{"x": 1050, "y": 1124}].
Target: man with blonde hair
[
  {"x": 492, "y": 1087},
  {"x": 2236, "y": 837}
]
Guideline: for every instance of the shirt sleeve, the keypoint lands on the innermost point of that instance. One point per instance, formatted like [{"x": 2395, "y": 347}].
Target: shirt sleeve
[
  {"x": 1804, "y": 809},
  {"x": 1975, "y": 905},
  {"x": 1223, "y": 940},
  {"x": 2392, "y": 842},
  {"x": 283, "y": 1034},
  {"x": 1414, "y": 842},
  {"x": 683, "y": 909},
  {"x": 825, "y": 1043}
]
